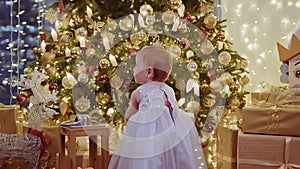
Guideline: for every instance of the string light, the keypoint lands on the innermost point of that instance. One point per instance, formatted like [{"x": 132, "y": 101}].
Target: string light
[
  {"x": 255, "y": 29},
  {"x": 10, "y": 47}
]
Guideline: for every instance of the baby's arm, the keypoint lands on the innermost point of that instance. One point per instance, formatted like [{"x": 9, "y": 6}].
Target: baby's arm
[{"x": 133, "y": 105}]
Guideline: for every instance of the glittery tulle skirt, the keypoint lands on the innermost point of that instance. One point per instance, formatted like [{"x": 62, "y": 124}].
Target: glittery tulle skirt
[{"x": 156, "y": 139}]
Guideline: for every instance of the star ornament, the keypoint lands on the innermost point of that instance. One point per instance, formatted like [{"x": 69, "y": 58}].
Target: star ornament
[
  {"x": 96, "y": 26},
  {"x": 51, "y": 15}
]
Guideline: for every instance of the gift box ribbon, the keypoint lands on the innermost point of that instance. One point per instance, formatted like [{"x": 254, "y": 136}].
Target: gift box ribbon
[
  {"x": 45, "y": 141},
  {"x": 280, "y": 165}
]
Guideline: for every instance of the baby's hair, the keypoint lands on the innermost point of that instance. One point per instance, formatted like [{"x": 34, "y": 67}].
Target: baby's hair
[
  {"x": 159, "y": 75},
  {"x": 159, "y": 59}
]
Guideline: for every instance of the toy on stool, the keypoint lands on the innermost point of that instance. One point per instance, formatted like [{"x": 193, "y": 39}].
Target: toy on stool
[{"x": 290, "y": 57}]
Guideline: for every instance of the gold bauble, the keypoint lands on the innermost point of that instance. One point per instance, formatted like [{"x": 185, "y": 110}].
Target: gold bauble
[
  {"x": 168, "y": 17},
  {"x": 68, "y": 81},
  {"x": 134, "y": 39},
  {"x": 23, "y": 114},
  {"x": 48, "y": 57},
  {"x": 111, "y": 24},
  {"x": 234, "y": 103},
  {"x": 243, "y": 63},
  {"x": 81, "y": 32},
  {"x": 146, "y": 9},
  {"x": 102, "y": 98},
  {"x": 244, "y": 80},
  {"x": 77, "y": 19},
  {"x": 126, "y": 24},
  {"x": 150, "y": 19},
  {"x": 175, "y": 51},
  {"x": 193, "y": 107},
  {"x": 224, "y": 57},
  {"x": 142, "y": 36},
  {"x": 76, "y": 51},
  {"x": 51, "y": 71},
  {"x": 216, "y": 85},
  {"x": 116, "y": 82},
  {"x": 210, "y": 21},
  {"x": 226, "y": 78},
  {"x": 83, "y": 78},
  {"x": 175, "y": 4},
  {"x": 206, "y": 47},
  {"x": 195, "y": 75},
  {"x": 104, "y": 63}
]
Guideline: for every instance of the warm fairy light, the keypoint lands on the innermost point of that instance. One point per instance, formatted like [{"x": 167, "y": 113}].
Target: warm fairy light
[{"x": 255, "y": 27}]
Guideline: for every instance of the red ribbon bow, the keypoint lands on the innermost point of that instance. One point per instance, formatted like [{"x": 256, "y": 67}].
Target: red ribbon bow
[{"x": 44, "y": 140}]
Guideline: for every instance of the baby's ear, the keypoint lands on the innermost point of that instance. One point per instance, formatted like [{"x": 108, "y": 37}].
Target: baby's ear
[{"x": 150, "y": 72}]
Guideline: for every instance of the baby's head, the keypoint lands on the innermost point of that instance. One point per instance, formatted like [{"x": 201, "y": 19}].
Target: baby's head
[{"x": 157, "y": 58}]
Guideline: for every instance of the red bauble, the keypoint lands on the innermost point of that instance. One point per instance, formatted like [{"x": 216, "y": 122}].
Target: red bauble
[
  {"x": 182, "y": 44},
  {"x": 102, "y": 78},
  {"x": 208, "y": 128},
  {"x": 91, "y": 70},
  {"x": 126, "y": 84},
  {"x": 42, "y": 36},
  {"x": 187, "y": 17},
  {"x": 21, "y": 98},
  {"x": 53, "y": 87},
  {"x": 61, "y": 7},
  {"x": 211, "y": 73},
  {"x": 203, "y": 35}
]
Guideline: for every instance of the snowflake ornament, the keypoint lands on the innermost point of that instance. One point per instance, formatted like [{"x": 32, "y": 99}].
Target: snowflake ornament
[
  {"x": 38, "y": 112},
  {"x": 51, "y": 15}
]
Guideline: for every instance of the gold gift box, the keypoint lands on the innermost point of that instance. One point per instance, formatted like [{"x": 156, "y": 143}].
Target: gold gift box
[
  {"x": 272, "y": 97},
  {"x": 8, "y": 118},
  {"x": 256, "y": 151},
  {"x": 271, "y": 120},
  {"x": 226, "y": 138}
]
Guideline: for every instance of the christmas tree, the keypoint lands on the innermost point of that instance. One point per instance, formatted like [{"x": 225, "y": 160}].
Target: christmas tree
[{"x": 89, "y": 57}]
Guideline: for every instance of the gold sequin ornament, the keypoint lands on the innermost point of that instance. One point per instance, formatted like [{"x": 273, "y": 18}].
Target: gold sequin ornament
[
  {"x": 48, "y": 57},
  {"x": 82, "y": 104},
  {"x": 69, "y": 81}
]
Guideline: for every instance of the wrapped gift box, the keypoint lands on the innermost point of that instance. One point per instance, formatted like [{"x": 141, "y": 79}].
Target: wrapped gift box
[
  {"x": 271, "y": 120},
  {"x": 257, "y": 151},
  {"x": 273, "y": 97},
  {"x": 8, "y": 117},
  {"x": 227, "y": 146},
  {"x": 263, "y": 96}
]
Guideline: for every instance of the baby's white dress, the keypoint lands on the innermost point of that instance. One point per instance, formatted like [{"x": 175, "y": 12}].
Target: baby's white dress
[{"x": 158, "y": 137}]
